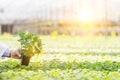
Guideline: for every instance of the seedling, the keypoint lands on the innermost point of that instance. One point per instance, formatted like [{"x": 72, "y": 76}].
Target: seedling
[{"x": 30, "y": 45}]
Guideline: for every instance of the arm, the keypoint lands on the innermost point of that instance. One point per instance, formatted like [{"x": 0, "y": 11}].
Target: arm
[{"x": 7, "y": 52}]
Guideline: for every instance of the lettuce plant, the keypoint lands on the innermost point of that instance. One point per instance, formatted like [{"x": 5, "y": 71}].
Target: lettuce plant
[{"x": 30, "y": 44}]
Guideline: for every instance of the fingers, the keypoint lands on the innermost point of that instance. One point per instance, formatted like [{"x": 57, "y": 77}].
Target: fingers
[
  {"x": 18, "y": 54},
  {"x": 15, "y": 54}
]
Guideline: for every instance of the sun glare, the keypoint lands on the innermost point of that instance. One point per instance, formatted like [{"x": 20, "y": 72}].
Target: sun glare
[{"x": 85, "y": 15}]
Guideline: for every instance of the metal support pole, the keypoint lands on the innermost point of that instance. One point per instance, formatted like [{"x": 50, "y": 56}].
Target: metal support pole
[
  {"x": 106, "y": 16},
  {"x": 0, "y": 29}
]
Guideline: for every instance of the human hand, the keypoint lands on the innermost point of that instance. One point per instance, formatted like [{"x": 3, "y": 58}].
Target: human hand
[{"x": 15, "y": 54}]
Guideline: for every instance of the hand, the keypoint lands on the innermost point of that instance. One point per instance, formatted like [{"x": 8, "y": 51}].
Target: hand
[{"x": 15, "y": 54}]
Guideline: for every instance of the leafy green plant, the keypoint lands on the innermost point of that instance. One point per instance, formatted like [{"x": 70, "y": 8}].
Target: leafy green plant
[
  {"x": 30, "y": 44},
  {"x": 100, "y": 60}
]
